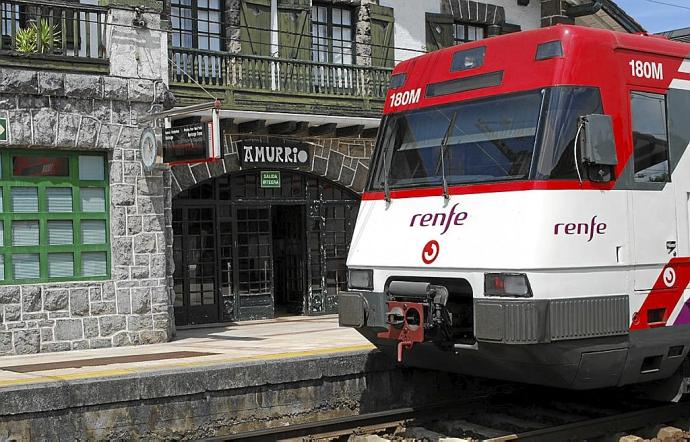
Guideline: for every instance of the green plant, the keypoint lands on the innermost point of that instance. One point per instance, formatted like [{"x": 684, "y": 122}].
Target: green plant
[
  {"x": 25, "y": 40},
  {"x": 29, "y": 39}
]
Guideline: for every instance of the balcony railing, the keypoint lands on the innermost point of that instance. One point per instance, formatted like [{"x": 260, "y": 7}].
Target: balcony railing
[
  {"x": 244, "y": 73},
  {"x": 52, "y": 29}
]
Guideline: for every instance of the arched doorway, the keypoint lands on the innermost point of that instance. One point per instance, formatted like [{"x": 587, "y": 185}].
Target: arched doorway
[{"x": 244, "y": 251}]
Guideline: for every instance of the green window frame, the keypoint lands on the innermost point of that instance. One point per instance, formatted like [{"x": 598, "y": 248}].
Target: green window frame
[{"x": 53, "y": 250}]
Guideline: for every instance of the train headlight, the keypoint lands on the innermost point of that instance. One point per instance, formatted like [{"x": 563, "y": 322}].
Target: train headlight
[
  {"x": 507, "y": 284},
  {"x": 361, "y": 279}
]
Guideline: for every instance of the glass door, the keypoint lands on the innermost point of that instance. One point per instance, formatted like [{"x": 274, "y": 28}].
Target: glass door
[
  {"x": 195, "y": 266},
  {"x": 254, "y": 263}
]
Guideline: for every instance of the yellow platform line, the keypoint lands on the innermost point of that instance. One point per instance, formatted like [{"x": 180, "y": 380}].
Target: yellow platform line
[{"x": 133, "y": 370}]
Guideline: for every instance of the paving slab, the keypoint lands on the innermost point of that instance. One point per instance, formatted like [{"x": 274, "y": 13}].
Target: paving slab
[{"x": 286, "y": 337}]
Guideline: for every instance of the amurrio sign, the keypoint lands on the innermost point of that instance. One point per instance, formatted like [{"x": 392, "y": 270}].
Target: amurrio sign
[{"x": 273, "y": 151}]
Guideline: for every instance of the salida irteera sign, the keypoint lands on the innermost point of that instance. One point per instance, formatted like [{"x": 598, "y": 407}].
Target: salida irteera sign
[{"x": 272, "y": 150}]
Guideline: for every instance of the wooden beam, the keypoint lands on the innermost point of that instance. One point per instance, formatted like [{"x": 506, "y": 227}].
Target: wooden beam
[
  {"x": 349, "y": 131},
  {"x": 302, "y": 129},
  {"x": 283, "y": 128},
  {"x": 370, "y": 133},
  {"x": 253, "y": 126},
  {"x": 325, "y": 130}
]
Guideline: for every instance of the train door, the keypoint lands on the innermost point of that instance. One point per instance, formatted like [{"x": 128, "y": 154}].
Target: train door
[{"x": 653, "y": 201}]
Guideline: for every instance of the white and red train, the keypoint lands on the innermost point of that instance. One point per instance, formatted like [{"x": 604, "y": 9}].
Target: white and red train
[{"x": 527, "y": 211}]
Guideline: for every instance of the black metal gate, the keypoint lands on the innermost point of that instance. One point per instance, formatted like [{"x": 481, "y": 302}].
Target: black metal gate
[{"x": 240, "y": 249}]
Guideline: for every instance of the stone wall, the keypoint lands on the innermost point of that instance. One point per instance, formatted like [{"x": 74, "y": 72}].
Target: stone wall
[
  {"x": 205, "y": 402},
  {"x": 55, "y": 110},
  {"x": 342, "y": 160},
  {"x": 553, "y": 13}
]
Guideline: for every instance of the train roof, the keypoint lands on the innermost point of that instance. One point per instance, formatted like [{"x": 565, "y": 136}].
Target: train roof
[{"x": 587, "y": 57}]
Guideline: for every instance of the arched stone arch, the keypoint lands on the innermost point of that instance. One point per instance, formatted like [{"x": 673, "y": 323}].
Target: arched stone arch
[{"x": 342, "y": 160}]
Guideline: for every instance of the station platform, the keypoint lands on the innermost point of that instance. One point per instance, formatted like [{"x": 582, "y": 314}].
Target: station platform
[
  {"x": 207, "y": 383},
  {"x": 281, "y": 338}
]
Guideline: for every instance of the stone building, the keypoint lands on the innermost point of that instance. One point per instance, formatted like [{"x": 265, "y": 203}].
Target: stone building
[
  {"x": 97, "y": 251},
  {"x": 83, "y": 230}
]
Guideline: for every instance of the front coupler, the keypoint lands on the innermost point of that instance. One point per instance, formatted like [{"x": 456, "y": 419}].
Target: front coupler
[{"x": 416, "y": 312}]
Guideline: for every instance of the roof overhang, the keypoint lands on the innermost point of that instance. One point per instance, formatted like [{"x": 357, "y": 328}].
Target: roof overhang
[
  {"x": 602, "y": 14},
  {"x": 678, "y": 34},
  {"x": 241, "y": 116}
]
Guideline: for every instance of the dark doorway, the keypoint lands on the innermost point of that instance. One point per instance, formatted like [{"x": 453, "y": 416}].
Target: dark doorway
[
  {"x": 246, "y": 252},
  {"x": 289, "y": 258}
]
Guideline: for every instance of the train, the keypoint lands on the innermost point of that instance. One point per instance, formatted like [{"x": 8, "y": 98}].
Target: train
[{"x": 527, "y": 212}]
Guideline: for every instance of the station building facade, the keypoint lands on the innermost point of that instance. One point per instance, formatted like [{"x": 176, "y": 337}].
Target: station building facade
[
  {"x": 311, "y": 74},
  {"x": 98, "y": 251}
]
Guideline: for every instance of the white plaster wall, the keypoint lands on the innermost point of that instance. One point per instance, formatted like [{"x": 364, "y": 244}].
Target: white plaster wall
[
  {"x": 410, "y": 23},
  {"x": 529, "y": 17}
]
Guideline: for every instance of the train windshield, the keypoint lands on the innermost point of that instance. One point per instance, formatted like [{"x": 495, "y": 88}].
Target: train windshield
[{"x": 489, "y": 140}]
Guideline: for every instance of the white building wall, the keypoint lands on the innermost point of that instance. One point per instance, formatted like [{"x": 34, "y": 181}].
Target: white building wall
[
  {"x": 410, "y": 22},
  {"x": 410, "y": 25},
  {"x": 528, "y": 17}
]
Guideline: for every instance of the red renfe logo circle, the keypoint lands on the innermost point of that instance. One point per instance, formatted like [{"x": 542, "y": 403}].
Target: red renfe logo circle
[{"x": 430, "y": 252}]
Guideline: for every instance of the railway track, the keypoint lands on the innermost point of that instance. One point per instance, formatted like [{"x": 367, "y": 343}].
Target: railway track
[{"x": 548, "y": 415}]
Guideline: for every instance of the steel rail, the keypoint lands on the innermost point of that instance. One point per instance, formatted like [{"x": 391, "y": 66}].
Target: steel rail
[
  {"x": 603, "y": 426},
  {"x": 351, "y": 424}
]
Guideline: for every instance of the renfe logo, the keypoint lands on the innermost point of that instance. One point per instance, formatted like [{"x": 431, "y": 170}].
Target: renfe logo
[
  {"x": 439, "y": 219},
  {"x": 588, "y": 229},
  {"x": 430, "y": 252}
]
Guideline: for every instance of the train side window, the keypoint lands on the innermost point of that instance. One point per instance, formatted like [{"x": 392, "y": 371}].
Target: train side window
[{"x": 650, "y": 137}]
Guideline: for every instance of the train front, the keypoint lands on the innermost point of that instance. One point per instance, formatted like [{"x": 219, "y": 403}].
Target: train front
[{"x": 483, "y": 235}]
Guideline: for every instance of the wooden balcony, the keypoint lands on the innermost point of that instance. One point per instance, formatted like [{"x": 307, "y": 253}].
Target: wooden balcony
[
  {"x": 275, "y": 84},
  {"x": 53, "y": 35}
]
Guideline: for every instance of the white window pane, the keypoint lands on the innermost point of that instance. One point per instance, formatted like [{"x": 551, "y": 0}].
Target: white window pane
[
  {"x": 215, "y": 25},
  {"x": 60, "y": 265},
  {"x": 93, "y": 232},
  {"x": 25, "y": 233},
  {"x": 323, "y": 14},
  {"x": 59, "y": 199},
  {"x": 2, "y": 267},
  {"x": 214, "y": 4},
  {"x": 203, "y": 4},
  {"x": 346, "y": 17},
  {"x": 2, "y": 234},
  {"x": 92, "y": 199},
  {"x": 60, "y": 233},
  {"x": 25, "y": 266},
  {"x": 91, "y": 168},
  {"x": 337, "y": 16},
  {"x": 337, "y": 34},
  {"x": 2, "y": 209},
  {"x": 25, "y": 199},
  {"x": 347, "y": 35},
  {"x": 93, "y": 264}
]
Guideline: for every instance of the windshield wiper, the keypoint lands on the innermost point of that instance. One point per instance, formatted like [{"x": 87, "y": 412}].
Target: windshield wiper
[
  {"x": 386, "y": 186},
  {"x": 444, "y": 144}
]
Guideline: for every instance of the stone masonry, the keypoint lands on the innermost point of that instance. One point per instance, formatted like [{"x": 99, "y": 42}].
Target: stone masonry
[
  {"x": 342, "y": 160},
  {"x": 58, "y": 110}
]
